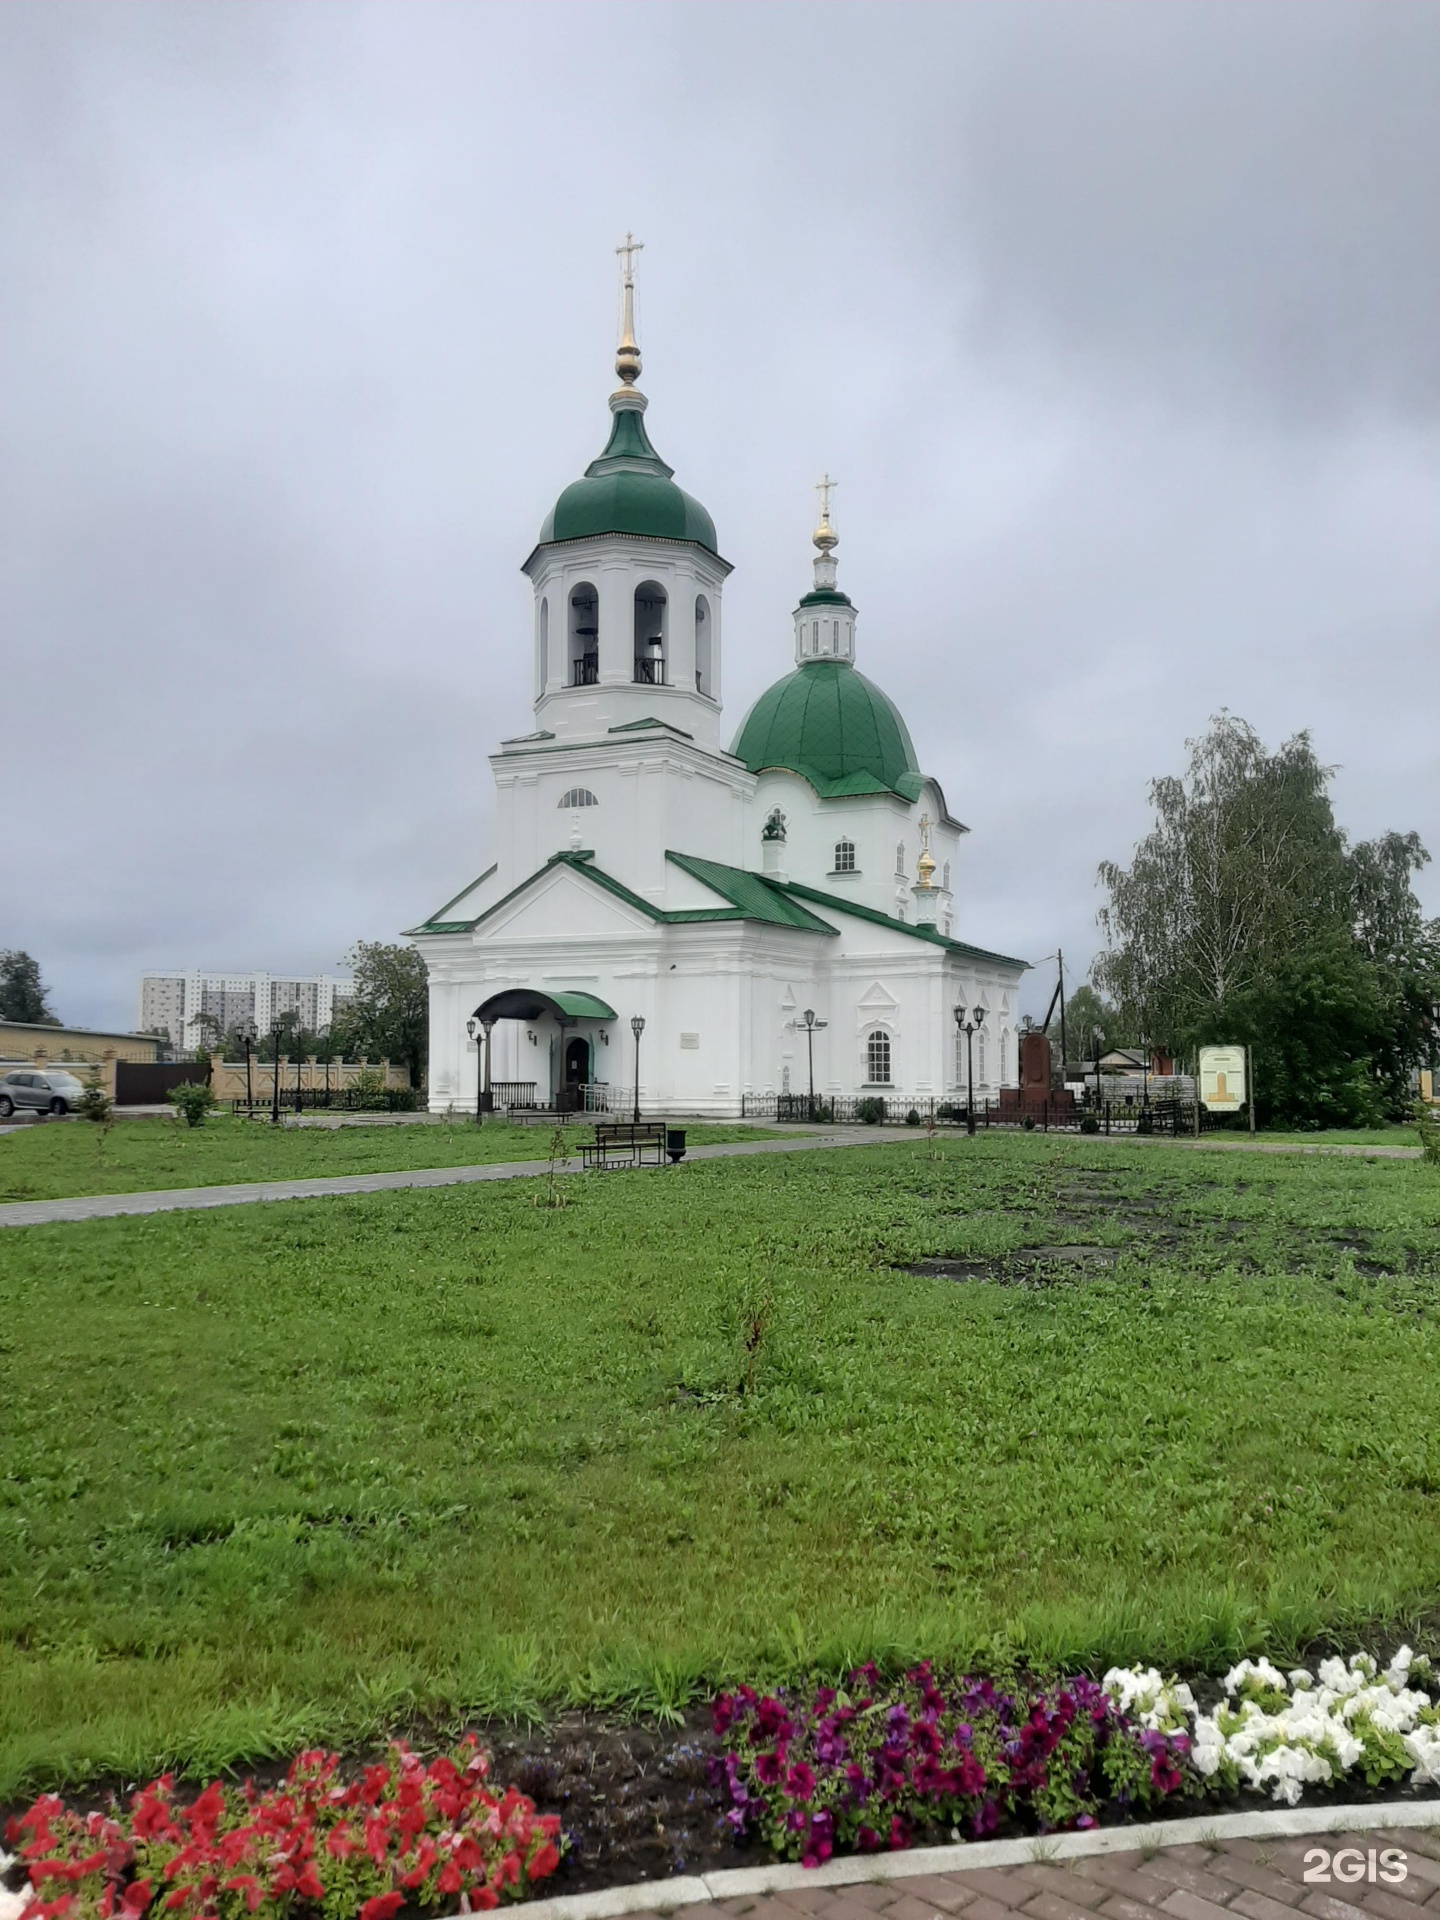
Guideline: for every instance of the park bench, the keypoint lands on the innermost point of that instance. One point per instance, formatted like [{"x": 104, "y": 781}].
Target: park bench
[{"x": 627, "y": 1143}]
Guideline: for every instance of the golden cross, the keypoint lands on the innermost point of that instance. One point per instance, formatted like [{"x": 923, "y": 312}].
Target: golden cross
[
  {"x": 924, "y": 833},
  {"x": 825, "y": 487},
  {"x": 631, "y": 247}
]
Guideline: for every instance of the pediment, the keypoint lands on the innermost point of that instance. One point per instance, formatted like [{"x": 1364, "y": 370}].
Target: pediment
[
  {"x": 878, "y": 998},
  {"x": 558, "y": 904}
]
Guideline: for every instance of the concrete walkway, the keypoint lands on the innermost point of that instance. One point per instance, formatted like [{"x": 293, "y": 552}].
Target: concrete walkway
[
  {"x": 107, "y": 1206},
  {"x": 1254, "y": 1879}
]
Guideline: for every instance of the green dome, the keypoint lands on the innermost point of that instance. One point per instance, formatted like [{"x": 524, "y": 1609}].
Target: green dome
[
  {"x": 628, "y": 490},
  {"x": 836, "y": 728}
]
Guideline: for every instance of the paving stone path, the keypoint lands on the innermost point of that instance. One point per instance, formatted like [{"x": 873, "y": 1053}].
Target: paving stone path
[{"x": 1255, "y": 1879}]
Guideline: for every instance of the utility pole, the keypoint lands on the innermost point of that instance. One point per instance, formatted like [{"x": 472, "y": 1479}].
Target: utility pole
[{"x": 1064, "y": 1049}]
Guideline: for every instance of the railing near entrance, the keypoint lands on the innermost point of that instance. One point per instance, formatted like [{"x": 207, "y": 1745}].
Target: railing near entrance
[
  {"x": 600, "y": 1097},
  {"x": 1057, "y": 1114},
  {"x": 513, "y": 1093}
]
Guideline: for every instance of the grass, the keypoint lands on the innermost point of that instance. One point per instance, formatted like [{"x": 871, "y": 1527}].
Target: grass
[
  {"x": 138, "y": 1156},
  {"x": 1389, "y": 1136},
  {"x": 306, "y": 1470}
]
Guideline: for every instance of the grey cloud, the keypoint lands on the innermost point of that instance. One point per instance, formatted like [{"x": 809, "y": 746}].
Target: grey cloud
[{"x": 1118, "y": 322}]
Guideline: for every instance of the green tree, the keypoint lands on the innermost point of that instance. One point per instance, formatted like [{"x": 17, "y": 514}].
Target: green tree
[
  {"x": 1084, "y": 1011},
  {"x": 1246, "y": 917},
  {"x": 1404, "y": 949},
  {"x": 1243, "y": 865},
  {"x": 388, "y": 1016},
  {"x": 23, "y": 995}
]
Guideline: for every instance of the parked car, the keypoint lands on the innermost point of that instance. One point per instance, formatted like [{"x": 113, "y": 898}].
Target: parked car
[{"x": 50, "y": 1092}]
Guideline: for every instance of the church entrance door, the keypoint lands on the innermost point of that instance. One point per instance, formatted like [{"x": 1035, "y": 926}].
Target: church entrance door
[{"x": 577, "y": 1073}]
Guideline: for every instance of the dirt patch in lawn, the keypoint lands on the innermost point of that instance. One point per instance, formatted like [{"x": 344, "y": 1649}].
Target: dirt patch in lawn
[{"x": 1027, "y": 1266}]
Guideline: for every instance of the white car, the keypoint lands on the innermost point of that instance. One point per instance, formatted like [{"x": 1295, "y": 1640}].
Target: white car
[{"x": 51, "y": 1092}]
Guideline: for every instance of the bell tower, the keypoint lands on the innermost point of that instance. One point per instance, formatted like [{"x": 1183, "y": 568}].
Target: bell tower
[{"x": 628, "y": 582}]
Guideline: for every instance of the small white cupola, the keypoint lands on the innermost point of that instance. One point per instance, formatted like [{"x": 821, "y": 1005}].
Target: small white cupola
[{"x": 825, "y": 618}]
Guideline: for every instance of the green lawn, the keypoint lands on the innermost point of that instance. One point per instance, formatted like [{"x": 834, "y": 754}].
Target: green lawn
[
  {"x": 138, "y": 1156},
  {"x": 300, "y": 1471},
  {"x": 1396, "y": 1136}
]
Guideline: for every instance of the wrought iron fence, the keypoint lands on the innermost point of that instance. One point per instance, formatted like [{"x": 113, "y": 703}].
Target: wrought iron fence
[
  {"x": 320, "y": 1099},
  {"x": 1058, "y": 1115}
]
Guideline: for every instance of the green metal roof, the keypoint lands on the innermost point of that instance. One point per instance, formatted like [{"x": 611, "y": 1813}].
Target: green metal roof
[
  {"x": 752, "y": 896},
  {"x": 583, "y": 1006},
  {"x": 916, "y": 929},
  {"x": 830, "y": 724},
  {"x": 628, "y": 490},
  {"x": 755, "y": 896}
]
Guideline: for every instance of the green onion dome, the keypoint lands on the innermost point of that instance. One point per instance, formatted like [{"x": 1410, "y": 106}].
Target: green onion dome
[
  {"x": 834, "y": 727},
  {"x": 629, "y": 490}
]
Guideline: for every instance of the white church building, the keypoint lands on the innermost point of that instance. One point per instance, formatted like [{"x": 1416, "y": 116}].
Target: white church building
[{"x": 648, "y": 864}]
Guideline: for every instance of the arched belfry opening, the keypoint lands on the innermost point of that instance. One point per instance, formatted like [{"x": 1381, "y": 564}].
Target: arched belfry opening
[
  {"x": 584, "y": 636},
  {"x": 652, "y": 607},
  {"x": 704, "y": 668}
]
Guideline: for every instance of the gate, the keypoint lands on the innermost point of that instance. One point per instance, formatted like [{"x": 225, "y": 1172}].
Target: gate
[{"x": 147, "y": 1083}]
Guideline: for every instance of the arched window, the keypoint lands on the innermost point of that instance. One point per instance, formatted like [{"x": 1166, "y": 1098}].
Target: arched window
[
  {"x": 704, "y": 671},
  {"x": 900, "y": 861},
  {"x": 980, "y": 1078},
  {"x": 945, "y": 876},
  {"x": 844, "y": 856},
  {"x": 578, "y": 797},
  {"x": 651, "y": 607},
  {"x": 1006, "y": 1073},
  {"x": 544, "y": 661},
  {"x": 877, "y": 1059},
  {"x": 584, "y": 657}
]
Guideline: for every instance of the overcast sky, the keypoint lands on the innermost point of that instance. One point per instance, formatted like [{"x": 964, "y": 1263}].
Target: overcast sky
[{"x": 1119, "y": 323}]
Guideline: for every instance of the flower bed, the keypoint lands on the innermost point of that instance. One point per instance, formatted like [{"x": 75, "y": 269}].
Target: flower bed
[
  {"x": 403, "y": 1834},
  {"x": 1281, "y": 1732},
  {"x": 879, "y": 1765}
]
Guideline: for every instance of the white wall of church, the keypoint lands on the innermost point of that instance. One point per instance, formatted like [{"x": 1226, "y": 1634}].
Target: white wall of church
[
  {"x": 882, "y": 829},
  {"x": 626, "y": 801},
  {"x": 722, "y": 1002}
]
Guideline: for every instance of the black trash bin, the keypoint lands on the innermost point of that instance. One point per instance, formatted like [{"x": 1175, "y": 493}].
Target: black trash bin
[{"x": 675, "y": 1144}]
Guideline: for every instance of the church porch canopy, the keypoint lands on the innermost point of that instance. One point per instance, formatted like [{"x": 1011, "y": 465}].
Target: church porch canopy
[{"x": 528, "y": 1003}]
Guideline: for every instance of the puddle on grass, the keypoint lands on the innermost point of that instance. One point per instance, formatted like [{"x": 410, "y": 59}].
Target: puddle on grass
[{"x": 1024, "y": 1265}]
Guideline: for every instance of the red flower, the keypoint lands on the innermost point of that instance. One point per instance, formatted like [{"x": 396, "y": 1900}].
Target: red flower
[
  {"x": 545, "y": 1861},
  {"x": 382, "y": 1906}
]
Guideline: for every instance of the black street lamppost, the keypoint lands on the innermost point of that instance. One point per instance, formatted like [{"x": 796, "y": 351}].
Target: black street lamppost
[
  {"x": 275, "y": 1031},
  {"x": 810, "y": 1026},
  {"x": 247, "y": 1040},
  {"x": 637, "y": 1027},
  {"x": 969, "y": 1028},
  {"x": 1097, "y": 1034},
  {"x": 472, "y": 1027}
]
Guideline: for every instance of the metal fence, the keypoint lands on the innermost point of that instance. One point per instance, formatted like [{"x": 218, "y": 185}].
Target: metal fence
[
  {"x": 322, "y": 1099},
  {"x": 1061, "y": 1115}
]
